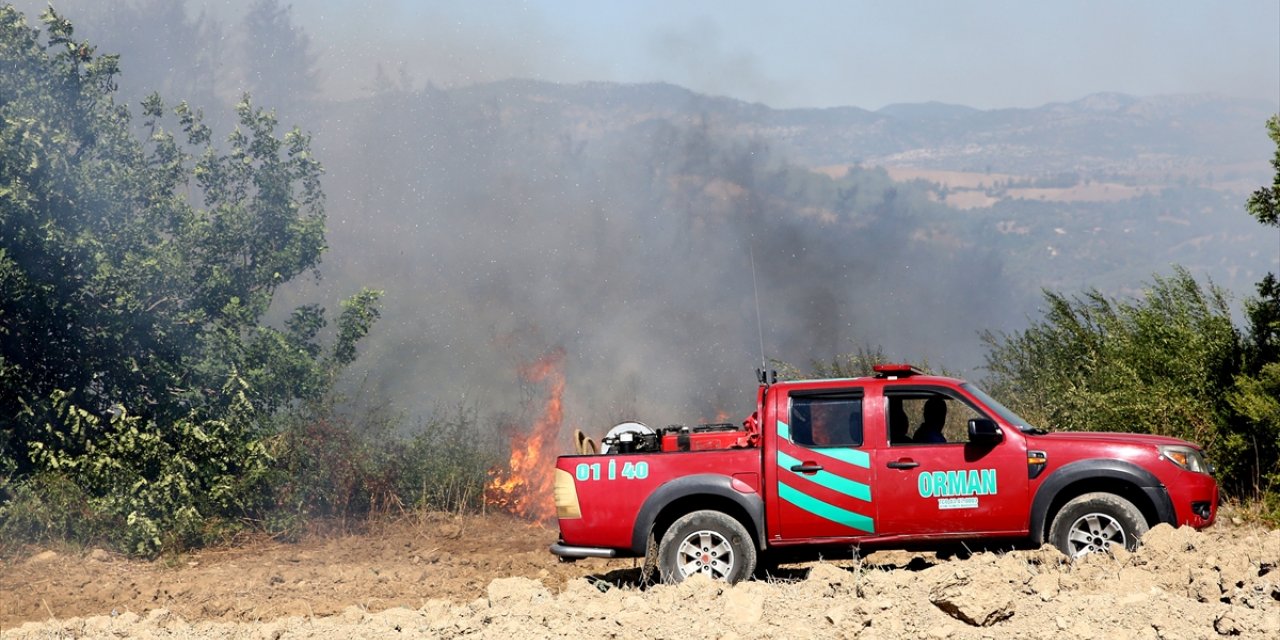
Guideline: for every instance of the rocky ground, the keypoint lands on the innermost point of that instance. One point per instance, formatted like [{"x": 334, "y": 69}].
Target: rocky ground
[{"x": 492, "y": 577}]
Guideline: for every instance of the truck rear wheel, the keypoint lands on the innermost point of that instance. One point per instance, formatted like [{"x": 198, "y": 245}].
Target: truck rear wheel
[
  {"x": 707, "y": 542},
  {"x": 1092, "y": 522}
]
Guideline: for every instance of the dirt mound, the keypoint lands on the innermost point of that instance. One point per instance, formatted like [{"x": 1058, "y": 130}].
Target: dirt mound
[{"x": 1180, "y": 584}]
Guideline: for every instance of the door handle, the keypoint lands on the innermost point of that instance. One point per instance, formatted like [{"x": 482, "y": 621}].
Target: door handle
[
  {"x": 807, "y": 467},
  {"x": 904, "y": 464}
]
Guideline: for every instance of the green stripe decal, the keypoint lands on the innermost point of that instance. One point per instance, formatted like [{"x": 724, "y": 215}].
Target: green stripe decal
[
  {"x": 829, "y": 480},
  {"x": 826, "y": 511},
  {"x": 855, "y": 457}
]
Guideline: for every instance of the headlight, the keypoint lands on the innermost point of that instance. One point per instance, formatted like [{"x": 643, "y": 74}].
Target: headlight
[{"x": 1185, "y": 457}]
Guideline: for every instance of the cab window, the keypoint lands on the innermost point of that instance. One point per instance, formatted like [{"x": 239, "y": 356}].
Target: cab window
[
  {"x": 927, "y": 417},
  {"x": 827, "y": 420}
]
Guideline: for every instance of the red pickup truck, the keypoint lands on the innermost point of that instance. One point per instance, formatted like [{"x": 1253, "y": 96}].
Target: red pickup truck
[{"x": 898, "y": 459}]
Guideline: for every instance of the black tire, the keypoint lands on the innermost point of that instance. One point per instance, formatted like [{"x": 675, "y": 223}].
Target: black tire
[
  {"x": 1092, "y": 522},
  {"x": 708, "y": 542}
]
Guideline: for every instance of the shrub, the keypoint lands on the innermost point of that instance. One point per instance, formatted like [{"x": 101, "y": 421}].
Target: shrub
[
  {"x": 1165, "y": 363},
  {"x": 329, "y": 466}
]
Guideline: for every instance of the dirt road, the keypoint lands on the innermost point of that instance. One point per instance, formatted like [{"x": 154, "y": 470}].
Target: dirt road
[{"x": 450, "y": 576}]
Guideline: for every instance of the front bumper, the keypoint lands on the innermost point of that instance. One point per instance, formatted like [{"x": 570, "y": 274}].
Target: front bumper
[{"x": 1196, "y": 498}]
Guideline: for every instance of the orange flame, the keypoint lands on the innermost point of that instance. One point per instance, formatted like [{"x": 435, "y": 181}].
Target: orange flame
[
  {"x": 526, "y": 487},
  {"x": 722, "y": 417}
]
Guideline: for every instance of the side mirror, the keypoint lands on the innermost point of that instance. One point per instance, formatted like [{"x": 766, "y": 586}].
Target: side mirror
[{"x": 984, "y": 431}]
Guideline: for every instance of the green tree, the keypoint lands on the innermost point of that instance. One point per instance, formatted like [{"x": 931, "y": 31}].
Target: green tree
[
  {"x": 1256, "y": 396},
  {"x": 1263, "y": 312},
  {"x": 1264, "y": 204},
  {"x": 1159, "y": 364},
  {"x": 134, "y": 278}
]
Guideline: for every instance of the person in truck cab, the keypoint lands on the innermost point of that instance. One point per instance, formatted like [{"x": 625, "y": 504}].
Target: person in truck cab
[
  {"x": 899, "y": 423},
  {"x": 935, "y": 416}
]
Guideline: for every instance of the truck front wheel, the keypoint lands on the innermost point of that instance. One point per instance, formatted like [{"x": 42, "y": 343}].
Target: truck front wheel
[
  {"x": 707, "y": 542},
  {"x": 1093, "y": 522}
]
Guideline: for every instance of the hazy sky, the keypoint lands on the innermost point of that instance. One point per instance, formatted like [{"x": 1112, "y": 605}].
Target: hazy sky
[{"x": 811, "y": 53}]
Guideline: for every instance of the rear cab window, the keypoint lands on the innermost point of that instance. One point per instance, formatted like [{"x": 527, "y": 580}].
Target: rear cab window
[{"x": 827, "y": 418}]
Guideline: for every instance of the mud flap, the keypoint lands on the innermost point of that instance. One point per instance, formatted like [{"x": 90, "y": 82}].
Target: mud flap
[{"x": 649, "y": 570}]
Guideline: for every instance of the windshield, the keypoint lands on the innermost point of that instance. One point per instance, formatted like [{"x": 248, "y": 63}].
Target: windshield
[{"x": 1004, "y": 412}]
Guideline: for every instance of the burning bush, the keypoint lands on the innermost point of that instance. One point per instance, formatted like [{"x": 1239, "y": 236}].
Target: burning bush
[{"x": 525, "y": 487}]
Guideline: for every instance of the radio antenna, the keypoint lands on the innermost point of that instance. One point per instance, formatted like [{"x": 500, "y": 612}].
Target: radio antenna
[{"x": 755, "y": 288}]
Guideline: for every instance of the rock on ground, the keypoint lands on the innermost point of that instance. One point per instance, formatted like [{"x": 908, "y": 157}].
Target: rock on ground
[{"x": 1179, "y": 584}]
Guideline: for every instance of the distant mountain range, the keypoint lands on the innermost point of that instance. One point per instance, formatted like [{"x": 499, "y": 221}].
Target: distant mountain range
[{"x": 1102, "y": 135}]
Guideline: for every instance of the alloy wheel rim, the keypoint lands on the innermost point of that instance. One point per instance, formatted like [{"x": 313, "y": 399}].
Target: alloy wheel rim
[
  {"x": 705, "y": 552},
  {"x": 1094, "y": 533}
]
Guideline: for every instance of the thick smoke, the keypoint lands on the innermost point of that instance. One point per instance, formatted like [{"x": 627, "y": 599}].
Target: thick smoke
[
  {"x": 508, "y": 219},
  {"x": 502, "y": 223}
]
